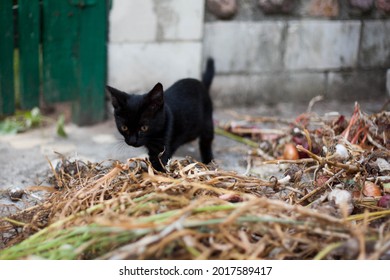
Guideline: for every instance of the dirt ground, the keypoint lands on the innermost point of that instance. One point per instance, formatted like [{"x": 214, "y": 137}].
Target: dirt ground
[{"x": 25, "y": 157}]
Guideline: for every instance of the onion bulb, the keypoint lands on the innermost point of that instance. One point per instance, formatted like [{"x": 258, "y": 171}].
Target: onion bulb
[
  {"x": 342, "y": 199},
  {"x": 290, "y": 152},
  {"x": 371, "y": 189},
  {"x": 341, "y": 152}
]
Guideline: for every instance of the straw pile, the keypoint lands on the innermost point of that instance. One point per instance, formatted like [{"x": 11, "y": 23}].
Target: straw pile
[{"x": 319, "y": 209}]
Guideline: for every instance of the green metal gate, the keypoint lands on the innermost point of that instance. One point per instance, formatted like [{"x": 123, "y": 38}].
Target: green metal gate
[{"x": 62, "y": 55}]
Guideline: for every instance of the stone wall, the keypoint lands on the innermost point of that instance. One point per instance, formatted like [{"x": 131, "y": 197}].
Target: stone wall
[{"x": 264, "y": 50}]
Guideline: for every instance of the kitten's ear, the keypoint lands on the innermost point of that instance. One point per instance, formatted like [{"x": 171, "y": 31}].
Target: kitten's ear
[
  {"x": 155, "y": 97},
  {"x": 118, "y": 98}
]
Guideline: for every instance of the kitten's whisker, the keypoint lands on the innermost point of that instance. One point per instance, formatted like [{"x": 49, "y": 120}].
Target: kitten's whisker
[{"x": 120, "y": 148}]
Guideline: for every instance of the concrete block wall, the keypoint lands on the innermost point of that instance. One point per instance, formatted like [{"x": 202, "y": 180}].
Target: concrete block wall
[
  {"x": 265, "y": 52},
  {"x": 292, "y": 51},
  {"x": 154, "y": 41}
]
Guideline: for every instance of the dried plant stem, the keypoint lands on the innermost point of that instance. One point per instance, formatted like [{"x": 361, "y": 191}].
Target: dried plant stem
[
  {"x": 313, "y": 101},
  {"x": 318, "y": 189},
  {"x": 383, "y": 179},
  {"x": 378, "y": 214},
  {"x": 283, "y": 161},
  {"x": 13, "y": 221},
  {"x": 236, "y": 138},
  {"x": 323, "y": 161},
  {"x": 325, "y": 251}
]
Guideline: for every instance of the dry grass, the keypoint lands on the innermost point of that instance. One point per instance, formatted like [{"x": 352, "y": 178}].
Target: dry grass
[{"x": 114, "y": 210}]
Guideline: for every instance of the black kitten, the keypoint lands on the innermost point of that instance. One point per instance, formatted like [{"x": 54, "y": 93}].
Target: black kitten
[{"x": 164, "y": 121}]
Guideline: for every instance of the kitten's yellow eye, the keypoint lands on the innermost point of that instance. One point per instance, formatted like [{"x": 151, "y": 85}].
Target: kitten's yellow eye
[
  {"x": 124, "y": 128},
  {"x": 144, "y": 128}
]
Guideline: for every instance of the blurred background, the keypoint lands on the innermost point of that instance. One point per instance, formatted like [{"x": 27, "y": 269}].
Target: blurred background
[{"x": 265, "y": 51}]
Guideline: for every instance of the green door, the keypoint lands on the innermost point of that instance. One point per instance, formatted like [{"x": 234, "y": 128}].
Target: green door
[{"x": 62, "y": 55}]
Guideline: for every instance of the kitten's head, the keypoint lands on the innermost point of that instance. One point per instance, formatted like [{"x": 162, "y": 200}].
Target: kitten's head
[{"x": 139, "y": 118}]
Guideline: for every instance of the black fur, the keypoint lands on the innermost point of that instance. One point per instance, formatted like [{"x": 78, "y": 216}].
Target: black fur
[{"x": 163, "y": 121}]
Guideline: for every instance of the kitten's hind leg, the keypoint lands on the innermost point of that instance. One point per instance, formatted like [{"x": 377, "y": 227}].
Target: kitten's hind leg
[{"x": 205, "y": 142}]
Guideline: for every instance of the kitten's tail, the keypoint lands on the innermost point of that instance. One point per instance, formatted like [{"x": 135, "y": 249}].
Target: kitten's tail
[{"x": 208, "y": 74}]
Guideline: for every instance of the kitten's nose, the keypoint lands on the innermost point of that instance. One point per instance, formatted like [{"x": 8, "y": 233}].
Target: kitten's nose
[{"x": 132, "y": 141}]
